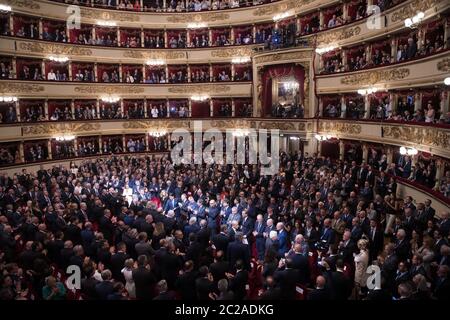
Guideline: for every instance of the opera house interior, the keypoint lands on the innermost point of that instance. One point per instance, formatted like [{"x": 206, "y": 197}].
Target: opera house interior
[{"x": 115, "y": 116}]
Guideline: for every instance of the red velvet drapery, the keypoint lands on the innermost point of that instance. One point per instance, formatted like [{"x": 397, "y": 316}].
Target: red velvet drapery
[{"x": 278, "y": 71}]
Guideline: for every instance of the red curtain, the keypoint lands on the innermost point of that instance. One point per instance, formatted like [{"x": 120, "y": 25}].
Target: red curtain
[
  {"x": 283, "y": 70},
  {"x": 200, "y": 109}
]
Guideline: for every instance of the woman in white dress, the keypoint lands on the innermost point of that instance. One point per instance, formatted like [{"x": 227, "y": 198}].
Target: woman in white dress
[
  {"x": 128, "y": 275},
  {"x": 361, "y": 263}
]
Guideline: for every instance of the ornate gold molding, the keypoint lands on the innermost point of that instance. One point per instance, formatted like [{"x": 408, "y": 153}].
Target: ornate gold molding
[
  {"x": 329, "y": 37},
  {"x": 200, "y": 89},
  {"x": 20, "y": 88},
  {"x": 170, "y": 55},
  {"x": 48, "y": 48},
  {"x": 24, "y": 4},
  {"x": 297, "y": 55},
  {"x": 340, "y": 127},
  {"x": 155, "y": 125},
  {"x": 281, "y": 125},
  {"x": 444, "y": 65},
  {"x": 418, "y": 135},
  {"x": 365, "y": 78},
  {"x": 109, "y": 89},
  {"x": 109, "y": 15},
  {"x": 233, "y": 124},
  {"x": 280, "y": 7},
  {"x": 411, "y": 9},
  {"x": 232, "y": 52},
  {"x": 204, "y": 17},
  {"x": 57, "y": 128}
]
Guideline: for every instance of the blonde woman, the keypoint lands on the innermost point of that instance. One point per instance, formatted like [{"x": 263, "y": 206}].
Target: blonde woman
[
  {"x": 361, "y": 262},
  {"x": 128, "y": 275}
]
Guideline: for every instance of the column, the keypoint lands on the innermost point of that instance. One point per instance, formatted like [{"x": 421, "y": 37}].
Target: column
[
  {"x": 344, "y": 59},
  {"x": 211, "y": 43},
  {"x": 17, "y": 111},
  {"x": 72, "y": 108},
  {"x": 75, "y": 146},
  {"x": 190, "y": 108},
  {"x": 254, "y": 33},
  {"x": 321, "y": 18},
  {"x": 366, "y": 106},
  {"x": 389, "y": 155},
  {"x": 211, "y": 108},
  {"x": 49, "y": 148},
  {"x": 144, "y": 74},
  {"x": 145, "y": 108},
  {"x": 122, "y": 107},
  {"x": 446, "y": 33},
  {"x": 298, "y": 24},
  {"x": 11, "y": 24},
  {"x": 97, "y": 106},
  {"x": 417, "y": 101},
  {"x": 189, "y": 73},
  {"x": 233, "y": 108},
  {"x": 46, "y": 109},
  {"x": 345, "y": 11},
  {"x": 95, "y": 72},
  {"x": 14, "y": 68},
  {"x": 211, "y": 75},
  {"x": 118, "y": 38},
  {"x": 120, "y": 73},
  {"x": 392, "y": 103},
  {"x": 166, "y": 44},
  {"x": 164, "y": 5},
  {"x": 124, "y": 143},
  {"x": 21, "y": 152},
  {"x": 44, "y": 74},
  {"x": 142, "y": 5},
  {"x": 341, "y": 150},
  {"x": 394, "y": 44},
  {"x": 320, "y": 111},
  {"x": 142, "y": 38},
  {"x": 421, "y": 38},
  {"x": 94, "y": 34},
  {"x": 167, "y": 72},
  {"x": 439, "y": 172},
  {"x": 188, "y": 38},
  {"x": 232, "y": 35},
  {"x": 40, "y": 28},
  {"x": 100, "y": 144},
  {"x": 168, "y": 108},
  {"x": 443, "y": 106},
  {"x": 232, "y": 72},
  {"x": 369, "y": 53},
  {"x": 343, "y": 107},
  {"x": 70, "y": 70},
  {"x": 365, "y": 155},
  {"x": 147, "y": 142}
]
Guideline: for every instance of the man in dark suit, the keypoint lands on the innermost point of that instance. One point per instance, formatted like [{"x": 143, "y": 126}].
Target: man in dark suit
[
  {"x": 287, "y": 277},
  {"x": 238, "y": 282},
  {"x": 258, "y": 234},
  {"x": 185, "y": 283},
  {"x": 376, "y": 239},
  {"x": 144, "y": 279},
  {"x": 247, "y": 224},
  {"x": 118, "y": 261},
  {"x": 204, "y": 284},
  {"x": 402, "y": 246},
  {"x": 221, "y": 240},
  {"x": 327, "y": 234},
  {"x": 412, "y": 49},
  {"x": 104, "y": 288},
  {"x": 106, "y": 226},
  {"x": 282, "y": 239},
  {"x": 300, "y": 263},
  {"x": 320, "y": 293},
  {"x": 346, "y": 248},
  {"x": 341, "y": 284},
  {"x": 237, "y": 250},
  {"x": 219, "y": 267}
]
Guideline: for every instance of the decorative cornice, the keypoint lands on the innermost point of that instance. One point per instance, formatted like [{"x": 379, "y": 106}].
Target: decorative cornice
[
  {"x": 58, "y": 128},
  {"x": 233, "y": 124},
  {"x": 281, "y": 125},
  {"x": 200, "y": 89},
  {"x": 170, "y": 55},
  {"x": 297, "y": 55},
  {"x": 340, "y": 127},
  {"x": 156, "y": 126},
  {"x": 330, "y": 37},
  {"x": 20, "y": 88},
  {"x": 24, "y": 4},
  {"x": 50, "y": 48},
  {"x": 366, "y": 78},
  {"x": 418, "y": 135},
  {"x": 280, "y": 7},
  {"x": 204, "y": 17},
  {"x": 232, "y": 52},
  {"x": 109, "y": 15},
  {"x": 109, "y": 89},
  {"x": 444, "y": 65},
  {"x": 409, "y": 10}
]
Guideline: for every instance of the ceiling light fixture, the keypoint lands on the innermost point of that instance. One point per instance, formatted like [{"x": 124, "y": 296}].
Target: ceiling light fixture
[
  {"x": 408, "y": 151},
  {"x": 65, "y": 137},
  {"x": 447, "y": 81},
  {"x": 323, "y": 137},
  {"x": 237, "y": 60},
  {"x": 8, "y": 99},
  {"x": 155, "y": 62},
  {"x": 414, "y": 21},
  {"x": 158, "y": 133},
  {"x": 367, "y": 91},
  {"x": 325, "y": 49},
  {"x": 199, "y": 97},
  {"x": 58, "y": 58},
  {"x": 110, "y": 99},
  {"x": 5, "y": 8},
  {"x": 282, "y": 16},
  {"x": 106, "y": 23},
  {"x": 197, "y": 25}
]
